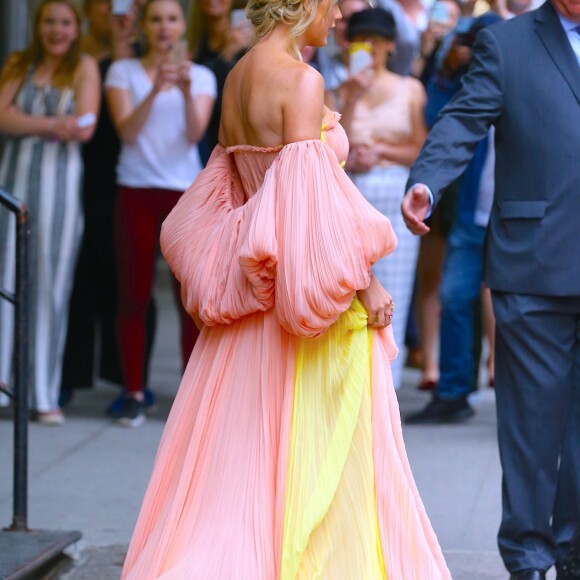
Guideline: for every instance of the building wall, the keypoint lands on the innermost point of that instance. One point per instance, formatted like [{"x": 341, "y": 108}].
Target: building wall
[{"x": 14, "y": 26}]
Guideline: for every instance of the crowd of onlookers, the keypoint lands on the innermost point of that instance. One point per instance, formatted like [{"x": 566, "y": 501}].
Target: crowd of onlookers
[{"x": 109, "y": 117}]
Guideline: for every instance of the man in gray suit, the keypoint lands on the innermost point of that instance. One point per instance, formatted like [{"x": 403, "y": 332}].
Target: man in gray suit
[{"x": 525, "y": 80}]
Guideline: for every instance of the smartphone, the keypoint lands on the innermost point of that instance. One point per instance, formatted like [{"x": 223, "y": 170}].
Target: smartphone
[
  {"x": 179, "y": 52},
  {"x": 439, "y": 13},
  {"x": 361, "y": 56},
  {"x": 121, "y": 6},
  {"x": 238, "y": 17},
  {"x": 86, "y": 120}
]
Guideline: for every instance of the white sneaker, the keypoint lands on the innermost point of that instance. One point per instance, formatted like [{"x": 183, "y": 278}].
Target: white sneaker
[{"x": 54, "y": 417}]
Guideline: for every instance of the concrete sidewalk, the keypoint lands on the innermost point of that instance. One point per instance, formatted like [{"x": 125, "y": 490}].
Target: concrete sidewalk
[{"x": 90, "y": 475}]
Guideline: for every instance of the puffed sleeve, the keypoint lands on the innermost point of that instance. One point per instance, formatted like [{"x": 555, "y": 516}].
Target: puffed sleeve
[
  {"x": 313, "y": 227},
  {"x": 201, "y": 239}
]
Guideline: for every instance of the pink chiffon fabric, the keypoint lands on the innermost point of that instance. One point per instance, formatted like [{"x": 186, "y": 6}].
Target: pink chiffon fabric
[{"x": 270, "y": 246}]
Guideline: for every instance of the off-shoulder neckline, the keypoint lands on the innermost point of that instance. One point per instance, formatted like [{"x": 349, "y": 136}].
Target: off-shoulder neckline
[{"x": 276, "y": 148}]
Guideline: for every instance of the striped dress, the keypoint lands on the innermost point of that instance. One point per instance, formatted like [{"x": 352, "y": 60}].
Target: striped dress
[{"x": 46, "y": 175}]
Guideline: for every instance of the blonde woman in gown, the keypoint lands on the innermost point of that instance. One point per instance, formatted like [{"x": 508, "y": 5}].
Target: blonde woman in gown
[{"x": 283, "y": 456}]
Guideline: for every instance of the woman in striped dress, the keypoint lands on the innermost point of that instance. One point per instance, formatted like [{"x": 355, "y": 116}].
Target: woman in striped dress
[{"x": 49, "y": 97}]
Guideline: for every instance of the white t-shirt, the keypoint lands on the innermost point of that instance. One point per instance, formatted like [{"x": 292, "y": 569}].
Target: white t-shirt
[{"x": 161, "y": 157}]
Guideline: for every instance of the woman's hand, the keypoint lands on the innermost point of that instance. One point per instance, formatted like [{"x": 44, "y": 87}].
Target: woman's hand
[
  {"x": 362, "y": 158},
  {"x": 166, "y": 76},
  {"x": 123, "y": 28},
  {"x": 356, "y": 85},
  {"x": 378, "y": 303},
  {"x": 66, "y": 129},
  {"x": 184, "y": 80}
]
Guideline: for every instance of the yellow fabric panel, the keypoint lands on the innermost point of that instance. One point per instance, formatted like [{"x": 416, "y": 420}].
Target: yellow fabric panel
[{"x": 331, "y": 526}]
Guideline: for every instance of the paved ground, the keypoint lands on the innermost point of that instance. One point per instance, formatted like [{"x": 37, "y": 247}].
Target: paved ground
[{"x": 90, "y": 475}]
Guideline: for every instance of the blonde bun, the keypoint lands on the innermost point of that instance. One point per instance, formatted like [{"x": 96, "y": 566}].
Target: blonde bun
[{"x": 266, "y": 14}]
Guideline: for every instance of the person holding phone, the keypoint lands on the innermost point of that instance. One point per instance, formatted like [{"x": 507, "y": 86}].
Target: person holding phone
[
  {"x": 91, "y": 350},
  {"x": 334, "y": 59},
  {"x": 160, "y": 105},
  {"x": 384, "y": 121},
  {"x": 443, "y": 18},
  {"x": 49, "y": 99}
]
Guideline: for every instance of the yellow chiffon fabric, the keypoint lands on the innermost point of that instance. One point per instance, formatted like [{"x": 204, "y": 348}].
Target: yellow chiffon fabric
[
  {"x": 282, "y": 457},
  {"x": 330, "y": 469}
]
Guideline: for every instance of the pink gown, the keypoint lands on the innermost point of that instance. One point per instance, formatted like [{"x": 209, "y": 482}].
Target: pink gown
[{"x": 283, "y": 455}]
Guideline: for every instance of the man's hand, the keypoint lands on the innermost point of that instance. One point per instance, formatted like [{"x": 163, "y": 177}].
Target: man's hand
[{"x": 416, "y": 204}]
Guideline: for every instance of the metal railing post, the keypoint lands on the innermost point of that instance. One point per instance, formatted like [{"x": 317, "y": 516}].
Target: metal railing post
[
  {"x": 19, "y": 393},
  {"x": 21, "y": 374}
]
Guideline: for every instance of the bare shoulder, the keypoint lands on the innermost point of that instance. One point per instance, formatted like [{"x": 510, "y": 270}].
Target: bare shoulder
[
  {"x": 88, "y": 63},
  {"x": 416, "y": 89},
  {"x": 271, "y": 98},
  {"x": 303, "y": 103},
  {"x": 87, "y": 69},
  {"x": 304, "y": 82}
]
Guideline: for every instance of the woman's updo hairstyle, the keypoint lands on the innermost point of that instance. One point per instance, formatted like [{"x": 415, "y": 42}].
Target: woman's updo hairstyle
[{"x": 266, "y": 14}]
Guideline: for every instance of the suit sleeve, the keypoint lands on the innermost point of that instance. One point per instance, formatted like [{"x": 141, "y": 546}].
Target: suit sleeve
[{"x": 464, "y": 121}]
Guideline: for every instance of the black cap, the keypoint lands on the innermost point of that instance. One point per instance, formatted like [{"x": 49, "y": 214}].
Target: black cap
[{"x": 372, "y": 21}]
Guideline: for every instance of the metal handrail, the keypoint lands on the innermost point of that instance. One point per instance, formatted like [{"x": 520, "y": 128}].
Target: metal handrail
[{"x": 19, "y": 394}]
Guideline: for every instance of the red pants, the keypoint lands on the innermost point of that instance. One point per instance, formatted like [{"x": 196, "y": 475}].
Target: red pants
[{"x": 138, "y": 217}]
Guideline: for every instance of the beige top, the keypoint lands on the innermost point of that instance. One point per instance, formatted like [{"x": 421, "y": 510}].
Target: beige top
[{"x": 388, "y": 121}]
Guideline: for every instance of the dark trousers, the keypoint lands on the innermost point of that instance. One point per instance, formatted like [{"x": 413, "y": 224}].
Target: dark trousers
[
  {"x": 538, "y": 408},
  {"x": 92, "y": 336},
  {"x": 138, "y": 218}
]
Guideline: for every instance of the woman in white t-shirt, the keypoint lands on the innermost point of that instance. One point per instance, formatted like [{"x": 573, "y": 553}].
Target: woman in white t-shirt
[{"x": 161, "y": 105}]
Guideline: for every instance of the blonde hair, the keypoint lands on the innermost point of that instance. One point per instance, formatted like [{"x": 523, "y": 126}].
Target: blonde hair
[
  {"x": 147, "y": 4},
  {"x": 21, "y": 61},
  {"x": 266, "y": 14}
]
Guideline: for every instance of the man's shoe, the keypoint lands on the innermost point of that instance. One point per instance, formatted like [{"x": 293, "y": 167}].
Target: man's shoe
[
  {"x": 570, "y": 567},
  {"x": 442, "y": 411},
  {"x": 529, "y": 574}
]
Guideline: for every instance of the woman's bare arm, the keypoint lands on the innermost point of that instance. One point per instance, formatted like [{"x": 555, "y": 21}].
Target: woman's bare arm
[
  {"x": 87, "y": 94},
  {"x": 198, "y": 109}
]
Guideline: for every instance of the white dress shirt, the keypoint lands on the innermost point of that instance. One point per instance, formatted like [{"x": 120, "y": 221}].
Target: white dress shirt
[{"x": 572, "y": 29}]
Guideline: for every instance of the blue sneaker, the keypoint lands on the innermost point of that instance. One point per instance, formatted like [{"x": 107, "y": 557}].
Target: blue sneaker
[
  {"x": 132, "y": 414},
  {"x": 115, "y": 409}
]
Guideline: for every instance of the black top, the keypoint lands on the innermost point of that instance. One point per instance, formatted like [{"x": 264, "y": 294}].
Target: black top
[{"x": 220, "y": 68}]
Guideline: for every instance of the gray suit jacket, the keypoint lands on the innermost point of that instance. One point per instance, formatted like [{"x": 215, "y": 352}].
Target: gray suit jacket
[{"x": 525, "y": 80}]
